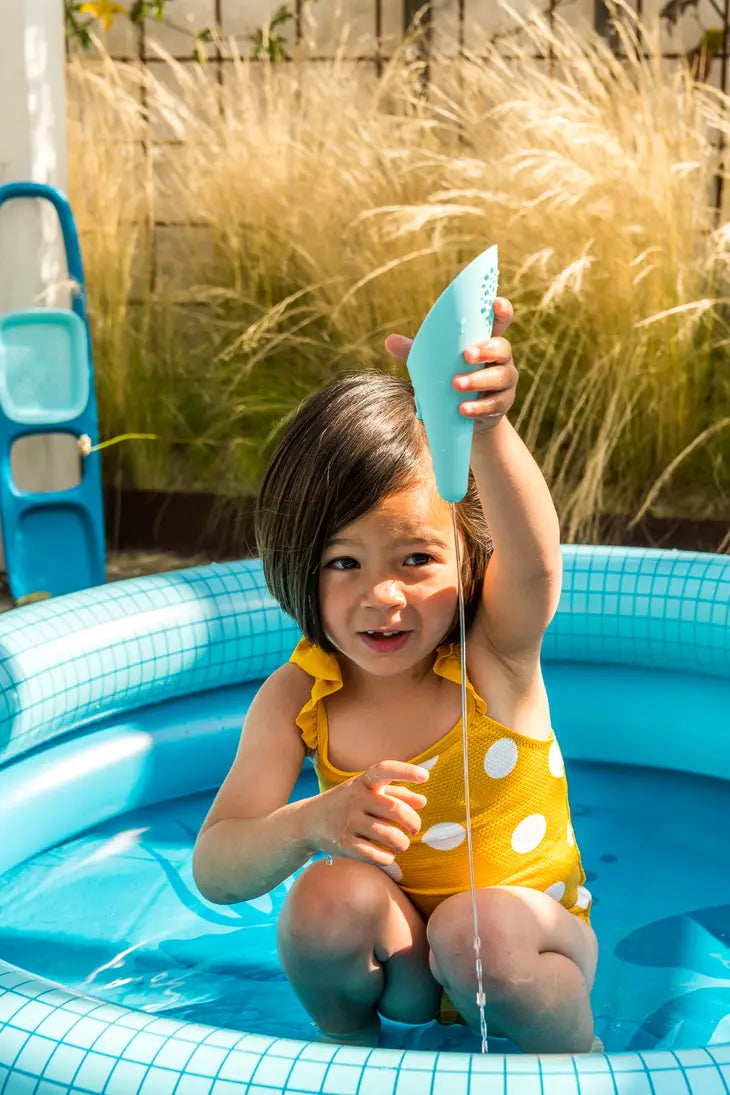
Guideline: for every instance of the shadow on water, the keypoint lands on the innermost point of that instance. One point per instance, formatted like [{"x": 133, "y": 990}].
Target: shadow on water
[{"x": 699, "y": 942}]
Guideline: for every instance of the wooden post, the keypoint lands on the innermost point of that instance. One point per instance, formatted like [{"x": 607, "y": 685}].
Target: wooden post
[
  {"x": 411, "y": 10},
  {"x": 602, "y": 22},
  {"x": 719, "y": 181},
  {"x": 418, "y": 12}
]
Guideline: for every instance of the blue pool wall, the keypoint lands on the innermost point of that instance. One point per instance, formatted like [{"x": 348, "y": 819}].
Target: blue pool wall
[
  {"x": 132, "y": 693},
  {"x": 75, "y": 660}
]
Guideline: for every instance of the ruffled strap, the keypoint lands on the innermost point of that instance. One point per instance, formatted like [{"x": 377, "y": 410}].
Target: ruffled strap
[
  {"x": 327, "y": 675},
  {"x": 448, "y": 666}
]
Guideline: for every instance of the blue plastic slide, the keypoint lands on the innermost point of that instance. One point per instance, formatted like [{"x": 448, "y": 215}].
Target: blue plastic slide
[{"x": 53, "y": 541}]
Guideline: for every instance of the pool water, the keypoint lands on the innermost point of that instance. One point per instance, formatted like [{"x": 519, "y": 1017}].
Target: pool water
[{"x": 115, "y": 914}]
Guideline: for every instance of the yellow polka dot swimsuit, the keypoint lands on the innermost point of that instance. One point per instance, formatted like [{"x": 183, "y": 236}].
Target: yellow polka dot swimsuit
[{"x": 521, "y": 830}]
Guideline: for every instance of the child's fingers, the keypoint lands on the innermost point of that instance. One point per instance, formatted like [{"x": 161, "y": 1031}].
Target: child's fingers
[
  {"x": 379, "y": 775},
  {"x": 494, "y": 386},
  {"x": 404, "y": 794},
  {"x": 503, "y": 315},
  {"x": 385, "y": 808},
  {"x": 496, "y": 378},
  {"x": 493, "y": 407},
  {"x": 494, "y": 350},
  {"x": 370, "y": 853},
  {"x": 398, "y": 346},
  {"x": 386, "y": 836}
]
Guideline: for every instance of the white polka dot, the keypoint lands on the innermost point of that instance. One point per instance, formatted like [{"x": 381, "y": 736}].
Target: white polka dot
[
  {"x": 556, "y": 890},
  {"x": 555, "y": 761},
  {"x": 529, "y": 833},
  {"x": 584, "y": 898},
  {"x": 571, "y": 834},
  {"x": 500, "y": 758},
  {"x": 444, "y": 836},
  {"x": 428, "y": 763},
  {"x": 393, "y": 871}
]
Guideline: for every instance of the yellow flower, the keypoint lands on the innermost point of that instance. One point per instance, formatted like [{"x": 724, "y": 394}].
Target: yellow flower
[{"x": 104, "y": 11}]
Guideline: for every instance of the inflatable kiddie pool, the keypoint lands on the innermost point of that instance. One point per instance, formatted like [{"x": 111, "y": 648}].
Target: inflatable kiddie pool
[{"x": 120, "y": 712}]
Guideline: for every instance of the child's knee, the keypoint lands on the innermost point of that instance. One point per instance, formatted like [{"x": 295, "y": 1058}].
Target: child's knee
[
  {"x": 504, "y": 950},
  {"x": 335, "y": 908}
]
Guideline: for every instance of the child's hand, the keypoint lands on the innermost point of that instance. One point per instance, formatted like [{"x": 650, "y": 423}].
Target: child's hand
[
  {"x": 495, "y": 386},
  {"x": 368, "y": 817}
]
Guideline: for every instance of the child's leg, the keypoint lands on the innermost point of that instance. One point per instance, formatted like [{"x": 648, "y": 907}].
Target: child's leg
[
  {"x": 353, "y": 945},
  {"x": 539, "y": 963}
]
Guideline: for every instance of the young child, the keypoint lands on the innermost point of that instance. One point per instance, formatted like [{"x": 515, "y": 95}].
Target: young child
[{"x": 358, "y": 547}]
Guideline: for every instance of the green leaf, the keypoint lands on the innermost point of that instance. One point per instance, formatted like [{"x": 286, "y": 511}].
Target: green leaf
[
  {"x": 203, "y": 36},
  {"x": 141, "y": 9},
  {"x": 137, "y": 12},
  {"x": 281, "y": 16},
  {"x": 265, "y": 41},
  {"x": 712, "y": 39},
  {"x": 277, "y": 51},
  {"x": 76, "y": 29}
]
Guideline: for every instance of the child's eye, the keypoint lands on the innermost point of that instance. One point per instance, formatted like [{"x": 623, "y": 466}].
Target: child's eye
[
  {"x": 419, "y": 559},
  {"x": 343, "y": 562}
]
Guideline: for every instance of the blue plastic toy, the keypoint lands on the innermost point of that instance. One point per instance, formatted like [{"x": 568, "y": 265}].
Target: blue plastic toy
[
  {"x": 461, "y": 316},
  {"x": 53, "y": 541}
]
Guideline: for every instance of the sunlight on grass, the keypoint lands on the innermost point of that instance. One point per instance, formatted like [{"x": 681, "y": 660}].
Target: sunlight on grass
[{"x": 330, "y": 209}]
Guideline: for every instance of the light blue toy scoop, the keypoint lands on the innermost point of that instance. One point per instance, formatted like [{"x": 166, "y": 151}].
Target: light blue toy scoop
[{"x": 461, "y": 316}]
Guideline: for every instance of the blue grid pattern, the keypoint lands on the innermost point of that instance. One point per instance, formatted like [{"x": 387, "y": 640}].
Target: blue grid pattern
[
  {"x": 53, "y": 1043},
  {"x": 74, "y": 660},
  {"x": 84, "y": 657},
  {"x": 77, "y": 659},
  {"x": 639, "y": 607}
]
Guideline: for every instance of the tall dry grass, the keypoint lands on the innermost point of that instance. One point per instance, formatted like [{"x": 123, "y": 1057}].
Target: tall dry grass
[{"x": 330, "y": 209}]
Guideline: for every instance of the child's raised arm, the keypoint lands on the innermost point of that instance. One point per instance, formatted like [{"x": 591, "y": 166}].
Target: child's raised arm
[{"x": 522, "y": 583}]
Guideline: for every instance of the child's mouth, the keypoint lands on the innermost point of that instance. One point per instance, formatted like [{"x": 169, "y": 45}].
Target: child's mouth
[{"x": 385, "y": 641}]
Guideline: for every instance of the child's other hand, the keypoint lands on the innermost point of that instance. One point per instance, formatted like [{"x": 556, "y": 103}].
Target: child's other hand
[
  {"x": 495, "y": 386},
  {"x": 368, "y": 817}
]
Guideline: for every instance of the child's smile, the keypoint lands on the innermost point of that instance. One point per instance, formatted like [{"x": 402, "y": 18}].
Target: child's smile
[
  {"x": 385, "y": 641},
  {"x": 388, "y": 582}
]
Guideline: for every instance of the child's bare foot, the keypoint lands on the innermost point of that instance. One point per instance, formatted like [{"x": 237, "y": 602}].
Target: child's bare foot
[{"x": 365, "y": 1036}]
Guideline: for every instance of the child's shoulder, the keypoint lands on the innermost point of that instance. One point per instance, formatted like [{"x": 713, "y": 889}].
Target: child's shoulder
[{"x": 284, "y": 692}]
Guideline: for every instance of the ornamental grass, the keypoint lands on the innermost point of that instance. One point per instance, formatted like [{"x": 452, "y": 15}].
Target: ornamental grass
[{"x": 246, "y": 240}]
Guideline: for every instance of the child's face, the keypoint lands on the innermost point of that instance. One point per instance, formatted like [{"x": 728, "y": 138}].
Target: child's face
[{"x": 392, "y": 571}]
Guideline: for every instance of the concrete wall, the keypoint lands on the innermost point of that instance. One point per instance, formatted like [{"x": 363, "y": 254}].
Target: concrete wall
[
  {"x": 33, "y": 108},
  {"x": 33, "y": 146}
]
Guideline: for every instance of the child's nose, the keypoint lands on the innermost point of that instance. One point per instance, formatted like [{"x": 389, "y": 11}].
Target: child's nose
[{"x": 388, "y": 593}]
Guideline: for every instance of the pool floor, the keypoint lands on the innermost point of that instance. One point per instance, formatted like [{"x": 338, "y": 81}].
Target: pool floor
[{"x": 115, "y": 914}]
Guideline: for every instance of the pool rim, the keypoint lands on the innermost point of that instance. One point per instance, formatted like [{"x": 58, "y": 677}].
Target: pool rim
[{"x": 29, "y": 988}]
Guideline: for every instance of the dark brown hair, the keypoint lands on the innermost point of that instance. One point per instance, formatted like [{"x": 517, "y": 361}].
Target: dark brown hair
[{"x": 350, "y": 445}]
